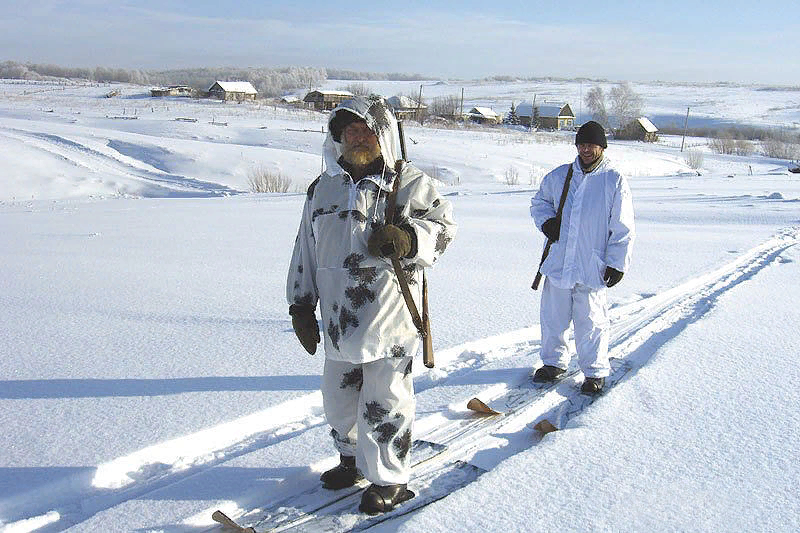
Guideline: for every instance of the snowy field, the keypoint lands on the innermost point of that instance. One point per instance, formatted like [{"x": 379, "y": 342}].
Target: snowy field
[{"x": 149, "y": 373}]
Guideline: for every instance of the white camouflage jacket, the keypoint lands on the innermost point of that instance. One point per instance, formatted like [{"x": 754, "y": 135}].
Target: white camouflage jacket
[
  {"x": 597, "y": 228},
  {"x": 364, "y": 315}
]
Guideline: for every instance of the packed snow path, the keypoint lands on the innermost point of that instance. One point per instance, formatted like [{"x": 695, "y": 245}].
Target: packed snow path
[{"x": 463, "y": 372}]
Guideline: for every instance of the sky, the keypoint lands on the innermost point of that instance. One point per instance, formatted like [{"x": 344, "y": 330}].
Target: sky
[{"x": 676, "y": 41}]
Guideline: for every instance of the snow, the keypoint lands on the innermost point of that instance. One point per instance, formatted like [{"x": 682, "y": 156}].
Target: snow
[{"x": 150, "y": 374}]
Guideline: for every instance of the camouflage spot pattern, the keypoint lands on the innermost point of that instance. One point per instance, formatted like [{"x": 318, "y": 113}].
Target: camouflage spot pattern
[
  {"x": 347, "y": 318},
  {"x": 385, "y": 432},
  {"x": 333, "y": 334},
  {"x": 409, "y": 368},
  {"x": 374, "y": 413},
  {"x": 359, "y": 295},
  {"x": 398, "y": 351},
  {"x": 402, "y": 444},
  {"x": 354, "y": 379}
]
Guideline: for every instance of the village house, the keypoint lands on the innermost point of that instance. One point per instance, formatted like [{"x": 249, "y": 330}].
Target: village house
[
  {"x": 327, "y": 100},
  {"x": 236, "y": 91},
  {"x": 484, "y": 115},
  {"x": 640, "y": 129},
  {"x": 406, "y": 108},
  {"x": 551, "y": 116}
]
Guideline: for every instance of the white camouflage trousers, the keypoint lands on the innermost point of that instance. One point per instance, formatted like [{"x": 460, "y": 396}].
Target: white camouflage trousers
[
  {"x": 370, "y": 408},
  {"x": 587, "y": 309}
]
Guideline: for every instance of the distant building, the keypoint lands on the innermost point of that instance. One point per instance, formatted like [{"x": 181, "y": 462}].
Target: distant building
[
  {"x": 236, "y": 91},
  {"x": 552, "y": 116},
  {"x": 327, "y": 100},
  {"x": 484, "y": 115},
  {"x": 640, "y": 129},
  {"x": 172, "y": 90},
  {"x": 406, "y": 108}
]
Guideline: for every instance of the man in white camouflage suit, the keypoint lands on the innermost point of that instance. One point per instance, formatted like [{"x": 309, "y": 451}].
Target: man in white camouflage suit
[{"x": 342, "y": 261}]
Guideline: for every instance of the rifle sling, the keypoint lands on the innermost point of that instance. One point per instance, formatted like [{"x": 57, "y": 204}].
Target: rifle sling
[{"x": 391, "y": 205}]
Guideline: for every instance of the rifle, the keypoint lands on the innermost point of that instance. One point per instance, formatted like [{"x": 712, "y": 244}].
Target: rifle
[
  {"x": 546, "y": 252},
  {"x": 422, "y": 323}
]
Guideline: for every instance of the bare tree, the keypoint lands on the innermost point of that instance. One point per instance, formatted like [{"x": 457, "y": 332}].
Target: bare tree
[
  {"x": 596, "y": 102},
  {"x": 626, "y": 105}
]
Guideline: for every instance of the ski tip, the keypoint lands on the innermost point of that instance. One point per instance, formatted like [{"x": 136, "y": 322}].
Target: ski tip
[
  {"x": 480, "y": 407},
  {"x": 221, "y": 518}
]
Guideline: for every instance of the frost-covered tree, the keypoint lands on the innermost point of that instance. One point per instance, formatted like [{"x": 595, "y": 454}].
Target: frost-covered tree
[
  {"x": 512, "y": 117},
  {"x": 596, "y": 102},
  {"x": 626, "y": 105}
]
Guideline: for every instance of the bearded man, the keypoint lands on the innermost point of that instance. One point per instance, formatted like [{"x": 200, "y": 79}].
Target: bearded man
[{"x": 342, "y": 260}]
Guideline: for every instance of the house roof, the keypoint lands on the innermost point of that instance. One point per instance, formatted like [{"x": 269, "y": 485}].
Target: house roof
[
  {"x": 546, "y": 109},
  {"x": 331, "y": 93},
  {"x": 647, "y": 125},
  {"x": 404, "y": 102},
  {"x": 485, "y": 112},
  {"x": 236, "y": 87}
]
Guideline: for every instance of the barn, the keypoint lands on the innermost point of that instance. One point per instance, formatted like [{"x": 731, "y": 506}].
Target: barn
[
  {"x": 406, "y": 108},
  {"x": 484, "y": 115},
  {"x": 327, "y": 100},
  {"x": 236, "y": 91},
  {"x": 640, "y": 129}
]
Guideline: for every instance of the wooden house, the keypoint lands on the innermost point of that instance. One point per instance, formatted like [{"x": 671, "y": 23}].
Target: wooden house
[
  {"x": 550, "y": 116},
  {"x": 484, "y": 115},
  {"x": 327, "y": 100},
  {"x": 640, "y": 129},
  {"x": 235, "y": 91},
  {"x": 406, "y": 108}
]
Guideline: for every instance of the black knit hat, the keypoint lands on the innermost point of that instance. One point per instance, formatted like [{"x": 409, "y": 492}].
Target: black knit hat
[
  {"x": 340, "y": 121},
  {"x": 593, "y": 133}
]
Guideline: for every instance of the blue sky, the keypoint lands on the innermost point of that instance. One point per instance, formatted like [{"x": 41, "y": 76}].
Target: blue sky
[{"x": 750, "y": 42}]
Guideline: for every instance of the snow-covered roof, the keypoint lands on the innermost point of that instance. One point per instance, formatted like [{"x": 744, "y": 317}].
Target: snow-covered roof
[
  {"x": 483, "y": 111},
  {"x": 403, "y": 102},
  {"x": 647, "y": 125},
  {"x": 332, "y": 93},
  {"x": 290, "y": 98},
  {"x": 236, "y": 87},
  {"x": 546, "y": 109}
]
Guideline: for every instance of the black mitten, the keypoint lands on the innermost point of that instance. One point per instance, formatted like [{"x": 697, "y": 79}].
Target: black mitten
[
  {"x": 612, "y": 276},
  {"x": 304, "y": 322},
  {"x": 552, "y": 228}
]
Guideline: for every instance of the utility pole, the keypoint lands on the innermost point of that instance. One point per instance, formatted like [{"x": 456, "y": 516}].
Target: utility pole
[
  {"x": 685, "y": 127},
  {"x": 533, "y": 110},
  {"x": 462, "y": 103},
  {"x": 419, "y": 105}
]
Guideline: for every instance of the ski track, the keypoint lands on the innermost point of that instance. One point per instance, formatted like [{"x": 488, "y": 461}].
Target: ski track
[
  {"x": 157, "y": 182},
  {"x": 639, "y": 329}
]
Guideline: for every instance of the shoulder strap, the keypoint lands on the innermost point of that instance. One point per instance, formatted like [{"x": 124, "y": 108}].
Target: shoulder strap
[
  {"x": 391, "y": 206},
  {"x": 564, "y": 192}
]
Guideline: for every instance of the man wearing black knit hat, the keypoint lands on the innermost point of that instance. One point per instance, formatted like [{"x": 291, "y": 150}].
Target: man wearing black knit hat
[{"x": 590, "y": 240}]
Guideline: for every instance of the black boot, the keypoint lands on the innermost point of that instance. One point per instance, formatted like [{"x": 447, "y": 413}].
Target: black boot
[
  {"x": 547, "y": 373},
  {"x": 343, "y": 475},
  {"x": 381, "y": 499},
  {"x": 593, "y": 385}
]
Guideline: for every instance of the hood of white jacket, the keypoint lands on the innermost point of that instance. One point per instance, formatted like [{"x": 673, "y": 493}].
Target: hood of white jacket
[{"x": 379, "y": 118}]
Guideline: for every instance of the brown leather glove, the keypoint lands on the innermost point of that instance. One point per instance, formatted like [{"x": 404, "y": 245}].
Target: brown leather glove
[
  {"x": 390, "y": 241},
  {"x": 304, "y": 322}
]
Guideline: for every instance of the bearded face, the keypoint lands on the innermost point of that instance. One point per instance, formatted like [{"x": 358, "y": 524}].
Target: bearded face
[{"x": 359, "y": 144}]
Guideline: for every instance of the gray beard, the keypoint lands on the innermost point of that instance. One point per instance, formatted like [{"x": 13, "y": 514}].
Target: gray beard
[{"x": 361, "y": 157}]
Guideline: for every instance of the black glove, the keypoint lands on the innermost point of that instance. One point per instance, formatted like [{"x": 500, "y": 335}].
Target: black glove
[
  {"x": 612, "y": 276},
  {"x": 305, "y": 326},
  {"x": 551, "y": 228},
  {"x": 389, "y": 240}
]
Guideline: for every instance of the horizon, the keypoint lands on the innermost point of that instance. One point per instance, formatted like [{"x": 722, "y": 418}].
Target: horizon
[{"x": 624, "y": 41}]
